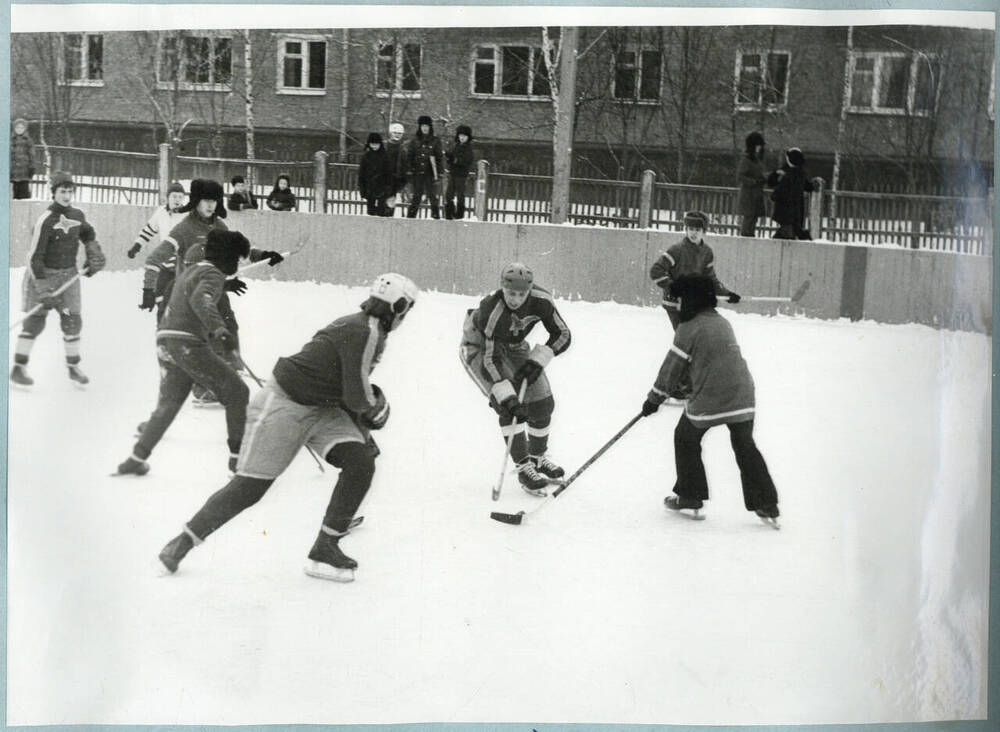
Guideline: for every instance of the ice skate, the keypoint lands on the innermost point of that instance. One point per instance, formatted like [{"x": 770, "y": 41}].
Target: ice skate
[
  {"x": 205, "y": 401},
  {"x": 531, "y": 480},
  {"x": 133, "y": 466},
  {"x": 327, "y": 561},
  {"x": 769, "y": 515},
  {"x": 175, "y": 550},
  {"x": 547, "y": 468},
  {"x": 75, "y": 374},
  {"x": 688, "y": 507},
  {"x": 19, "y": 375}
]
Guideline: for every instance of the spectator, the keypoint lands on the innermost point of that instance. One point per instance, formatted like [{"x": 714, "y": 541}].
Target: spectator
[
  {"x": 460, "y": 160},
  {"x": 394, "y": 147},
  {"x": 22, "y": 160},
  {"x": 790, "y": 186},
  {"x": 375, "y": 176},
  {"x": 424, "y": 164},
  {"x": 242, "y": 197},
  {"x": 751, "y": 177},
  {"x": 281, "y": 197}
]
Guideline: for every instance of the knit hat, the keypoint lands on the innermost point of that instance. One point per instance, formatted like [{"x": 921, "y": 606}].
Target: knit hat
[
  {"x": 238, "y": 179},
  {"x": 175, "y": 187},
  {"x": 795, "y": 157},
  {"x": 374, "y": 137},
  {"x": 753, "y": 140},
  {"x": 397, "y": 127},
  {"x": 20, "y": 121},
  {"x": 224, "y": 249},
  {"x": 695, "y": 292},
  {"x": 204, "y": 189},
  {"x": 696, "y": 219},
  {"x": 60, "y": 179}
]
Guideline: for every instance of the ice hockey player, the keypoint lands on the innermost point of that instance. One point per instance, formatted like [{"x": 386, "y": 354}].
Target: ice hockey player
[
  {"x": 55, "y": 243},
  {"x": 190, "y": 322},
  {"x": 722, "y": 392},
  {"x": 498, "y": 359},
  {"x": 162, "y": 221},
  {"x": 321, "y": 397}
]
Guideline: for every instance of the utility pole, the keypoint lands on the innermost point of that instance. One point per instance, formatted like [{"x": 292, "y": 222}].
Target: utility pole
[
  {"x": 564, "y": 101},
  {"x": 248, "y": 97},
  {"x": 845, "y": 101}
]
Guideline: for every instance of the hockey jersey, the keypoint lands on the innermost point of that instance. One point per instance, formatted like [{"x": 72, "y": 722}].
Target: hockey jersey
[
  {"x": 722, "y": 389},
  {"x": 160, "y": 224},
  {"x": 494, "y": 327},
  {"x": 56, "y": 238},
  {"x": 193, "y": 310},
  {"x": 333, "y": 368},
  {"x": 685, "y": 258},
  {"x": 162, "y": 262}
]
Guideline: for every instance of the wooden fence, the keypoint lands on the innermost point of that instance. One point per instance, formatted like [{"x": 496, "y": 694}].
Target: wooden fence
[{"x": 944, "y": 223}]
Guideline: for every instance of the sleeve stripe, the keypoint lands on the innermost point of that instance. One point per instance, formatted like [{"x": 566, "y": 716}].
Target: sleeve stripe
[
  {"x": 679, "y": 352},
  {"x": 658, "y": 280},
  {"x": 660, "y": 392},
  {"x": 489, "y": 351},
  {"x": 562, "y": 341},
  {"x": 366, "y": 359},
  {"x": 36, "y": 232},
  {"x": 672, "y": 260}
]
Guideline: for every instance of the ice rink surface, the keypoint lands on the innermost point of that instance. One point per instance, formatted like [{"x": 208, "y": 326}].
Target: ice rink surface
[{"x": 870, "y": 604}]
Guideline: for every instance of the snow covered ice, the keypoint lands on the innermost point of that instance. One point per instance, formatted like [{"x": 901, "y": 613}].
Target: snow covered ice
[{"x": 870, "y": 605}]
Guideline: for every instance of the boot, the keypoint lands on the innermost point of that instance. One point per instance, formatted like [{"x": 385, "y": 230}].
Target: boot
[
  {"x": 688, "y": 507},
  {"x": 531, "y": 480},
  {"x": 176, "y": 550},
  {"x": 77, "y": 375},
  {"x": 769, "y": 515},
  {"x": 327, "y": 561},
  {"x": 547, "y": 468},
  {"x": 133, "y": 466},
  {"x": 19, "y": 375}
]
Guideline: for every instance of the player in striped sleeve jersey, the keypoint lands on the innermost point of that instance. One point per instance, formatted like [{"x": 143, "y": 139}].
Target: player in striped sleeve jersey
[{"x": 164, "y": 218}]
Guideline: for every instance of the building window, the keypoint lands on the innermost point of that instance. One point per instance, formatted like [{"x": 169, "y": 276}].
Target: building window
[
  {"x": 762, "y": 80},
  {"x": 637, "y": 75},
  {"x": 510, "y": 71},
  {"x": 894, "y": 83},
  {"x": 83, "y": 59},
  {"x": 301, "y": 65},
  {"x": 397, "y": 69},
  {"x": 202, "y": 62}
]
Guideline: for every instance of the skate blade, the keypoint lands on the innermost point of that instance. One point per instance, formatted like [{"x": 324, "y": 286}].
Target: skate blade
[
  {"x": 355, "y": 522},
  {"x": 326, "y": 572},
  {"x": 693, "y": 514},
  {"x": 536, "y": 492},
  {"x": 206, "y": 405},
  {"x": 162, "y": 570},
  {"x": 772, "y": 522}
]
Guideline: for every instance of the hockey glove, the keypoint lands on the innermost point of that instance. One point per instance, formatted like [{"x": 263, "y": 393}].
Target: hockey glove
[
  {"x": 649, "y": 407},
  {"x": 272, "y": 258},
  {"x": 224, "y": 337},
  {"x": 235, "y": 286},
  {"x": 376, "y": 417},
  {"x": 529, "y": 371},
  {"x": 133, "y": 250},
  {"x": 148, "y": 299},
  {"x": 733, "y": 298},
  {"x": 95, "y": 260}
]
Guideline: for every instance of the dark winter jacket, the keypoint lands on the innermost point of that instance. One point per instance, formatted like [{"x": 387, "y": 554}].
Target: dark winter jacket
[
  {"x": 751, "y": 177},
  {"x": 22, "y": 158},
  {"x": 788, "y": 194},
  {"x": 419, "y": 153},
  {"x": 239, "y": 201},
  {"x": 395, "y": 151},
  {"x": 375, "y": 174},
  {"x": 281, "y": 200},
  {"x": 461, "y": 157}
]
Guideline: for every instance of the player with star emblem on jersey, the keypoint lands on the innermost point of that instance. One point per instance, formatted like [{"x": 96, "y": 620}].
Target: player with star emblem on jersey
[
  {"x": 499, "y": 360},
  {"x": 51, "y": 280}
]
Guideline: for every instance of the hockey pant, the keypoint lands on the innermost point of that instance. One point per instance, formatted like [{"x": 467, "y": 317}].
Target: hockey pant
[
  {"x": 758, "y": 488},
  {"x": 67, "y": 304},
  {"x": 183, "y": 363},
  {"x": 230, "y": 356}
]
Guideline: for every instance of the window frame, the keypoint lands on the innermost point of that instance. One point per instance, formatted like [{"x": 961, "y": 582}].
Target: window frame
[
  {"x": 638, "y": 49},
  {"x": 397, "y": 61},
  {"x": 498, "y": 73},
  {"x": 764, "y": 54},
  {"x": 281, "y": 55},
  {"x": 84, "y": 60},
  {"x": 184, "y": 85},
  {"x": 915, "y": 58}
]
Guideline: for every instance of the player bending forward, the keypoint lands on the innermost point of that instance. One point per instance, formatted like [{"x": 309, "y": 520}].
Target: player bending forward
[
  {"x": 706, "y": 352},
  {"x": 498, "y": 359},
  {"x": 320, "y": 397}
]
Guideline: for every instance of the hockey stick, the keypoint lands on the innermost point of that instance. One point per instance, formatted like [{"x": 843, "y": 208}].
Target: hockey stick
[
  {"x": 510, "y": 441},
  {"x": 795, "y": 297},
  {"x": 516, "y": 518},
  {"x": 261, "y": 384},
  {"x": 58, "y": 291}
]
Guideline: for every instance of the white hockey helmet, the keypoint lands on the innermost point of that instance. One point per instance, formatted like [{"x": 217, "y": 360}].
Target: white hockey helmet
[{"x": 399, "y": 292}]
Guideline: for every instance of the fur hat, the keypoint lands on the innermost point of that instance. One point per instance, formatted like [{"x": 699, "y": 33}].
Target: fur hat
[
  {"x": 205, "y": 189},
  {"x": 238, "y": 179},
  {"x": 696, "y": 219},
  {"x": 424, "y": 120},
  {"x": 224, "y": 249},
  {"x": 463, "y": 130},
  {"x": 795, "y": 157},
  {"x": 60, "y": 179},
  {"x": 175, "y": 187},
  {"x": 374, "y": 137},
  {"x": 753, "y": 140},
  {"x": 696, "y": 293}
]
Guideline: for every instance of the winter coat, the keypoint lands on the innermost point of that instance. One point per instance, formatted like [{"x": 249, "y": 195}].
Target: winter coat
[
  {"x": 375, "y": 175},
  {"x": 788, "y": 195},
  {"x": 22, "y": 157},
  {"x": 395, "y": 152},
  {"x": 419, "y": 153},
  {"x": 751, "y": 177},
  {"x": 460, "y": 159},
  {"x": 281, "y": 199},
  {"x": 240, "y": 201}
]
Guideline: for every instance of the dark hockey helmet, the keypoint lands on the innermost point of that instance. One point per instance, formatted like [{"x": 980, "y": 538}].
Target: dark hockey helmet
[
  {"x": 390, "y": 298},
  {"x": 695, "y": 293},
  {"x": 517, "y": 277},
  {"x": 225, "y": 249}
]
